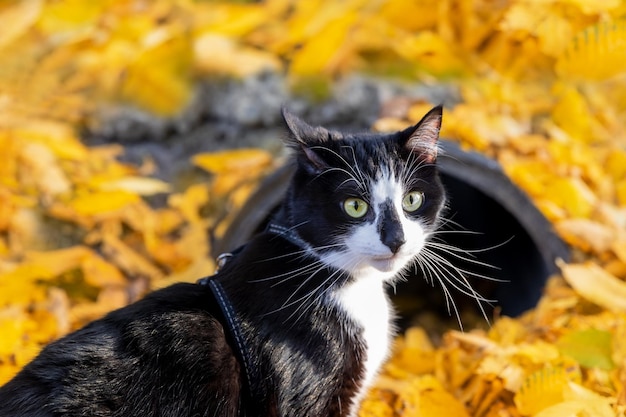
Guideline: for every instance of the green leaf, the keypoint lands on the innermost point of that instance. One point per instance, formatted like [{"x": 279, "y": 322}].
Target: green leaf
[{"x": 590, "y": 348}]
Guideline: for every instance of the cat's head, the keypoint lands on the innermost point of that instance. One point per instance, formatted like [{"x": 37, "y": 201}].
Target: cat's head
[{"x": 365, "y": 203}]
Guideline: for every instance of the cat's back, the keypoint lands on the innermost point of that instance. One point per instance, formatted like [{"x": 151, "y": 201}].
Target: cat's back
[{"x": 165, "y": 355}]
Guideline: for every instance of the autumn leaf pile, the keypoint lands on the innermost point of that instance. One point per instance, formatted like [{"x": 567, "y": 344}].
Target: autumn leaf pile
[{"x": 542, "y": 87}]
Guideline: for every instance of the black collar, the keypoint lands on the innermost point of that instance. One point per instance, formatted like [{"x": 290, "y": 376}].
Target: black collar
[{"x": 255, "y": 392}]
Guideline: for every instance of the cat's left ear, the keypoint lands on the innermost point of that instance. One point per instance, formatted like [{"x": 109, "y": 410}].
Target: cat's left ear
[
  {"x": 302, "y": 137},
  {"x": 424, "y": 136}
]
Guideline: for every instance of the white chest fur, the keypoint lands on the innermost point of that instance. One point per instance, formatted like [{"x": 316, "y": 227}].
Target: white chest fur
[{"x": 366, "y": 303}]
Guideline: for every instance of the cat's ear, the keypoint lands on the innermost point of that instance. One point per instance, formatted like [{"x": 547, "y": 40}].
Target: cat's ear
[
  {"x": 302, "y": 138},
  {"x": 424, "y": 136}
]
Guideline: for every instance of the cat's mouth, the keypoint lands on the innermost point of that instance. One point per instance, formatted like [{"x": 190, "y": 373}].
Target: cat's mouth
[{"x": 384, "y": 263}]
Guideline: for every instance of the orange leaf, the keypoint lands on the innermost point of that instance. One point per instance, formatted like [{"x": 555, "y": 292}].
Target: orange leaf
[{"x": 239, "y": 160}]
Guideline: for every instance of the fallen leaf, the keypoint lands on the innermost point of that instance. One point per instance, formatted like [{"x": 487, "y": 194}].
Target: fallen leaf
[
  {"x": 233, "y": 161},
  {"x": 102, "y": 203},
  {"x": 590, "y": 348},
  {"x": 596, "y": 285},
  {"x": 589, "y": 235},
  {"x": 44, "y": 170},
  {"x": 579, "y": 401},
  {"x": 216, "y": 54},
  {"x": 18, "y": 20},
  {"x": 425, "y": 396},
  {"x": 136, "y": 185}
]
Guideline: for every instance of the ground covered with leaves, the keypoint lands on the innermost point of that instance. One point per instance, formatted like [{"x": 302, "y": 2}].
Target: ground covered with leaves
[{"x": 542, "y": 90}]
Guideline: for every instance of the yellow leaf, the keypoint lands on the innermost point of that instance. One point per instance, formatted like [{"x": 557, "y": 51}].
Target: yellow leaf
[
  {"x": 571, "y": 194},
  {"x": 594, "y": 7},
  {"x": 573, "y": 409},
  {"x": 554, "y": 33},
  {"x": 596, "y": 285},
  {"x": 70, "y": 15},
  {"x": 410, "y": 16},
  {"x": 59, "y": 137},
  {"x": 14, "y": 323},
  {"x": 233, "y": 161},
  {"x": 425, "y": 396},
  {"x": 101, "y": 203},
  {"x": 221, "y": 55},
  {"x": 521, "y": 18},
  {"x": 595, "y": 53},
  {"x": 619, "y": 248},
  {"x": 579, "y": 401},
  {"x": 370, "y": 407},
  {"x": 544, "y": 388},
  {"x": 44, "y": 170},
  {"x": 389, "y": 124},
  {"x": 7, "y": 371},
  {"x": 320, "y": 54},
  {"x": 14, "y": 283},
  {"x": 620, "y": 190},
  {"x": 431, "y": 53},
  {"x": 571, "y": 113},
  {"x": 129, "y": 260},
  {"x": 551, "y": 210},
  {"x": 190, "y": 202},
  {"x": 136, "y": 185},
  {"x": 18, "y": 19},
  {"x": 156, "y": 90},
  {"x": 236, "y": 20},
  {"x": 100, "y": 273},
  {"x": 57, "y": 261},
  {"x": 158, "y": 77},
  {"x": 616, "y": 164},
  {"x": 530, "y": 174},
  {"x": 112, "y": 298},
  {"x": 586, "y": 234}
]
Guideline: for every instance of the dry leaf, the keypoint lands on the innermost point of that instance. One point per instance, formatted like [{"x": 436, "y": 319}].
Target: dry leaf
[
  {"x": 230, "y": 161},
  {"x": 222, "y": 55},
  {"x": 136, "y": 185},
  {"x": 102, "y": 203},
  {"x": 425, "y": 396},
  {"x": 586, "y": 234},
  {"x": 590, "y": 348},
  {"x": 18, "y": 20},
  {"x": 579, "y": 401},
  {"x": 596, "y": 285}
]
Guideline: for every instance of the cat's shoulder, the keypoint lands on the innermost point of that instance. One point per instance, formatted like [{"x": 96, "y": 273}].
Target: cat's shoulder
[
  {"x": 182, "y": 311},
  {"x": 171, "y": 337},
  {"x": 180, "y": 297}
]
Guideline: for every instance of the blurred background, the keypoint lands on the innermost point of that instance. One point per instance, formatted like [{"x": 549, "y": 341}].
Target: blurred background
[{"x": 132, "y": 132}]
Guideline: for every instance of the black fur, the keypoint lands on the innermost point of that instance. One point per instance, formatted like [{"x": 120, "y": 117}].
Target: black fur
[{"x": 169, "y": 354}]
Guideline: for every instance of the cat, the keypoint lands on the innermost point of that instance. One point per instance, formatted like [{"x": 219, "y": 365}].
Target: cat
[{"x": 295, "y": 323}]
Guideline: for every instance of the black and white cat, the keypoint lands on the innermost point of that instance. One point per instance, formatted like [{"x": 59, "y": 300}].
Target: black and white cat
[{"x": 296, "y": 323}]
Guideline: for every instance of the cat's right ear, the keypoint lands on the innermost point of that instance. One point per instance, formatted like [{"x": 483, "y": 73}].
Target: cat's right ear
[
  {"x": 303, "y": 138},
  {"x": 423, "y": 138}
]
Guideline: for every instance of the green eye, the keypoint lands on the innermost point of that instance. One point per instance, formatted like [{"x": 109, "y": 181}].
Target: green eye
[
  {"x": 412, "y": 201},
  {"x": 355, "y": 207}
]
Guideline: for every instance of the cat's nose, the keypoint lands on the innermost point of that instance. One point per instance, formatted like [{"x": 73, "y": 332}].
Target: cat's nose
[
  {"x": 390, "y": 228},
  {"x": 394, "y": 244},
  {"x": 392, "y": 235}
]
